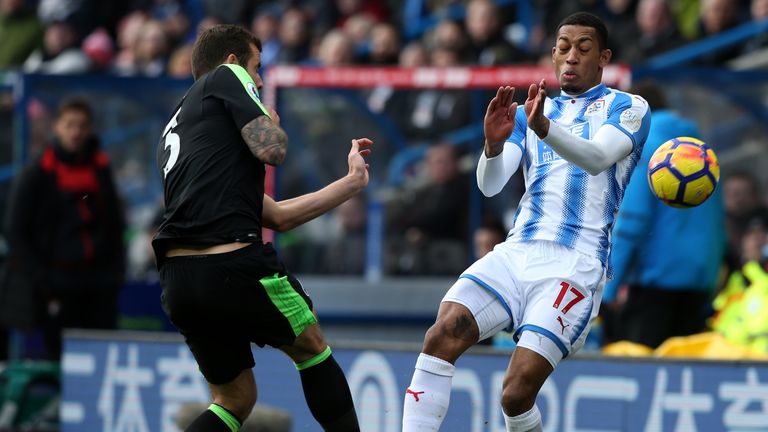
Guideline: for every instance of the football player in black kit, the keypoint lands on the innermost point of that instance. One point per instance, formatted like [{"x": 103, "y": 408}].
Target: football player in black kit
[{"x": 223, "y": 288}]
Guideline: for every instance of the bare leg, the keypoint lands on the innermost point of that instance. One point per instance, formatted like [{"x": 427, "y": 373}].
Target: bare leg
[{"x": 428, "y": 396}]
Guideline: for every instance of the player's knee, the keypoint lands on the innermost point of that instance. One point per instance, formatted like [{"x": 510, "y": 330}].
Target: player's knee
[
  {"x": 450, "y": 337},
  {"x": 518, "y": 394},
  {"x": 240, "y": 405}
]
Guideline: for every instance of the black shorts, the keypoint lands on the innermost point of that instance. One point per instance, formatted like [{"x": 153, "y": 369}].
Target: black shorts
[{"x": 223, "y": 302}]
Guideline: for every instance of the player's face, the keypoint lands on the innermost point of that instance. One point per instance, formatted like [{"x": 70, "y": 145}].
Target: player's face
[
  {"x": 253, "y": 66},
  {"x": 73, "y": 129},
  {"x": 578, "y": 59}
]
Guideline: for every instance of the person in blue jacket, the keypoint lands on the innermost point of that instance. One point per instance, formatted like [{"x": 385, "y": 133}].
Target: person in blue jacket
[{"x": 666, "y": 261}]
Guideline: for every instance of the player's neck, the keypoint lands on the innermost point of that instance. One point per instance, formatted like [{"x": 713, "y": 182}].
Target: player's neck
[{"x": 575, "y": 95}]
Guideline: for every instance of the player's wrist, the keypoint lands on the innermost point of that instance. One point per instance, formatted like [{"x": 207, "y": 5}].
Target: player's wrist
[
  {"x": 542, "y": 128},
  {"x": 355, "y": 180},
  {"x": 493, "y": 149}
]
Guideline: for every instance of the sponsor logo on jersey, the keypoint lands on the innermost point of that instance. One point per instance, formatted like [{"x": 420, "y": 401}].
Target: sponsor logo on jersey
[{"x": 630, "y": 120}]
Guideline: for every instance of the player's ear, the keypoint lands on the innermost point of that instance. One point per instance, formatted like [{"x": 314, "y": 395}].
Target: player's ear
[
  {"x": 605, "y": 57},
  {"x": 231, "y": 59}
]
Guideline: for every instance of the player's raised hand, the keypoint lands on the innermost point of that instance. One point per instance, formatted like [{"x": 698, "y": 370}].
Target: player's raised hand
[
  {"x": 534, "y": 109},
  {"x": 499, "y": 120},
  {"x": 358, "y": 167}
]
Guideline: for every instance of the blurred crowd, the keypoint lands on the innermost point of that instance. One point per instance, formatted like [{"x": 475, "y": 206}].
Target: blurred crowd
[
  {"x": 429, "y": 225},
  {"x": 154, "y": 37}
]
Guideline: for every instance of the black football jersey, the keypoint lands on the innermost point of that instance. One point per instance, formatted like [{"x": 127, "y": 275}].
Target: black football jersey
[{"x": 213, "y": 185}]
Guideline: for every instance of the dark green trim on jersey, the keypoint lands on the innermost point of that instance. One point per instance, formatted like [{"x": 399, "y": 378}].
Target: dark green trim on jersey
[
  {"x": 314, "y": 360},
  {"x": 246, "y": 79},
  {"x": 289, "y": 302},
  {"x": 232, "y": 423}
]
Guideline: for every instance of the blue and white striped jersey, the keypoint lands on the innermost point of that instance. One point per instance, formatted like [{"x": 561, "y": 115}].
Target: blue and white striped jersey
[{"x": 563, "y": 203}]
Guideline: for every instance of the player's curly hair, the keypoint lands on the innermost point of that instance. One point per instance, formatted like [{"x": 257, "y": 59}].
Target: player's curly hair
[
  {"x": 215, "y": 44},
  {"x": 586, "y": 19}
]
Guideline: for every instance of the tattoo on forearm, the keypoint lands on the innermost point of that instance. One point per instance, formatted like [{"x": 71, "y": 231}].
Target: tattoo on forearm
[{"x": 267, "y": 141}]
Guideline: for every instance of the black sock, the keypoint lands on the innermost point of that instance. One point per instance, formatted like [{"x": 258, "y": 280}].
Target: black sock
[
  {"x": 328, "y": 396},
  {"x": 210, "y": 421}
]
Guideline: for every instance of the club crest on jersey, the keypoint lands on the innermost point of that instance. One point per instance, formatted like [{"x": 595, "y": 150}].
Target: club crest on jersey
[
  {"x": 252, "y": 90},
  {"x": 595, "y": 107}
]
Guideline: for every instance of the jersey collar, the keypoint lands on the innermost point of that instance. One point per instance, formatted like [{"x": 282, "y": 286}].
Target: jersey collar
[{"x": 595, "y": 91}]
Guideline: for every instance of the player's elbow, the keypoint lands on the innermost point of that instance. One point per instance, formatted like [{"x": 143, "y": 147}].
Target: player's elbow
[
  {"x": 486, "y": 190},
  {"x": 594, "y": 170},
  {"x": 597, "y": 164}
]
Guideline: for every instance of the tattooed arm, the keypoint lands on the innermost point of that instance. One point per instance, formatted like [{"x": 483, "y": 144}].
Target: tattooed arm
[{"x": 266, "y": 140}]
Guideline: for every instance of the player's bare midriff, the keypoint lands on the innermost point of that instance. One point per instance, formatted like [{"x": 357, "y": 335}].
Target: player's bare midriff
[{"x": 176, "y": 250}]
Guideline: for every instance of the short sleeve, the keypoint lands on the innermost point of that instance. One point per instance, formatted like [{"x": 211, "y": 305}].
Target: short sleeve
[
  {"x": 631, "y": 115},
  {"x": 521, "y": 127},
  {"x": 232, "y": 84}
]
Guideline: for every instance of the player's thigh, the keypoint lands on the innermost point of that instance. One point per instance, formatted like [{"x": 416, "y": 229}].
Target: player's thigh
[
  {"x": 206, "y": 306},
  {"x": 488, "y": 312}
]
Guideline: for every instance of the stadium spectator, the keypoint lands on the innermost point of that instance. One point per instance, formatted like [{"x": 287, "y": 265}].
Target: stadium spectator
[
  {"x": 206, "y": 23},
  {"x": 336, "y": 49},
  {"x": 487, "y": 236},
  {"x": 294, "y": 34},
  {"x": 172, "y": 18},
  {"x": 668, "y": 259},
  {"x": 741, "y": 195},
  {"x": 657, "y": 32},
  {"x": 128, "y": 33},
  {"x": 20, "y": 31},
  {"x": 717, "y": 16},
  {"x": 451, "y": 35},
  {"x": 359, "y": 27},
  {"x": 264, "y": 26},
  {"x": 180, "y": 62},
  {"x": 429, "y": 217},
  {"x": 758, "y": 11},
  {"x": 99, "y": 48},
  {"x": 414, "y": 55},
  {"x": 345, "y": 253},
  {"x": 230, "y": 11},
  {"x": 620, "y": 19},
  {"x": 150, "y": 52},
  {"x": 65, "y": 231},
  {"x": 60, "y": 53},
  {"x": 346, "y": 9},
  {"x": 483, "y": 23},
  {"x": 385, "y": 45}
]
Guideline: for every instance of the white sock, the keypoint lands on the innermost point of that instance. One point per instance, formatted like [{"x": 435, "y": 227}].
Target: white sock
[
  {"x": 529, "y": 421},
  {"x": 426, "y": 400}
]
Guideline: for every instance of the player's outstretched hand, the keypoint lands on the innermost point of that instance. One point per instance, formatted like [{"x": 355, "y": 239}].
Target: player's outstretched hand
[
  {"x": 358, "y": 167},
  {"x": 534, "y": 109},
  {"x": 499, "y": 120}
]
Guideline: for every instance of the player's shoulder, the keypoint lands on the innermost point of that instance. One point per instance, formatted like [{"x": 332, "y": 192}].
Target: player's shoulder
[{"x": 629, "y": 99}]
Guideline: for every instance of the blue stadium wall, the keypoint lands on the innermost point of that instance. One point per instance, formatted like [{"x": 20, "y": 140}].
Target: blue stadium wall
[{"x": 137, "y": 381}]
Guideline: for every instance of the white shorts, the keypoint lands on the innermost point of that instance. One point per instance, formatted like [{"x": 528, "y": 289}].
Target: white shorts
[{"x": 539, "y": 286}]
